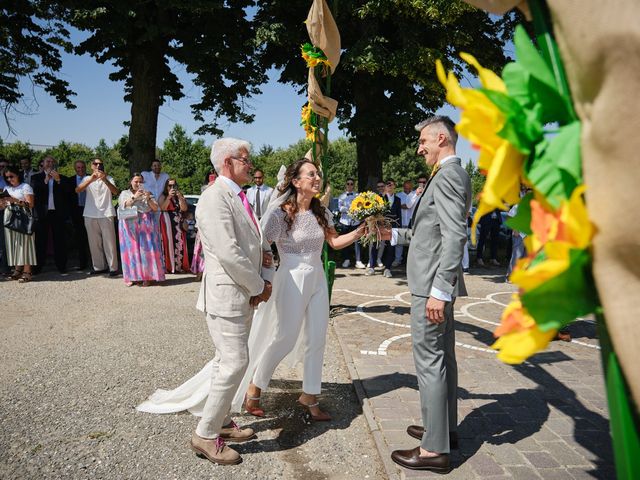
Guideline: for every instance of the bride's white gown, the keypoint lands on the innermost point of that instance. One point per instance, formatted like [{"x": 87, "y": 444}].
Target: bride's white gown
[{"x": 296, "y": 314}]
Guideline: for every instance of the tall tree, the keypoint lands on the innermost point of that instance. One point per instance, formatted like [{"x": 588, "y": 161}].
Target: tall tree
[
  {"x": 31, "y": 41},
  {"x": 386, "y": 80},
  {"x": 147, "y": 40}
]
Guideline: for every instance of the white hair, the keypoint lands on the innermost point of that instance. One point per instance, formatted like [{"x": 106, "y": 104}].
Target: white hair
[{"x": 224, "y": 148}]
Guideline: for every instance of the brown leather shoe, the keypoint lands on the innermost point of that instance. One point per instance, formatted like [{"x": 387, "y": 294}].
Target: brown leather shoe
[
  {"x": 416, "y": 431},
  {"x": 233, "y": 433},
  {"x": 412, "y": 459},
  {"x": 214, "y": 450}
]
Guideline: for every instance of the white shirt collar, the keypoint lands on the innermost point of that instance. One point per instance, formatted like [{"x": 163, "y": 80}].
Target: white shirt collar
[
  {"x": 231, "y": 184},
  {"x": 446, "y": 159}
]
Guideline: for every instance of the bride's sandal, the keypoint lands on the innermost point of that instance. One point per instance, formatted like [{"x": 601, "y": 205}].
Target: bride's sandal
[
  {"x": 255, "y": 411},
  {"x": 321, "y": 417},
  {"x": 16, "y": 275},
  {"x": 26, "y": 277}
]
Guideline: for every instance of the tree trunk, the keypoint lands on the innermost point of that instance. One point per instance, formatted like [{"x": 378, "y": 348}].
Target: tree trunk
[
  {"x": 146, "y": 98},
  {"x": 368, "y": 130}
]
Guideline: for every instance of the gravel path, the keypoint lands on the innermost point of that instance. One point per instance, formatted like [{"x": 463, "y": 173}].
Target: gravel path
[{"x": 78, "y": 353}]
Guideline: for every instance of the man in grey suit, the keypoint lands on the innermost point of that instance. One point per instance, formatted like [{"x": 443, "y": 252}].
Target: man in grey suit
[{"x": 436, "y": 242}]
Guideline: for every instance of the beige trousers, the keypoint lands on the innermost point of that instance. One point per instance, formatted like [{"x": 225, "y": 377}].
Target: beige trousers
[{"x": 101, "y": 234}]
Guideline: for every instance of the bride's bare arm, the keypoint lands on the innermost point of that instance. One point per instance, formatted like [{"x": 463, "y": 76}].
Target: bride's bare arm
[{"x": 338, "y": 242}]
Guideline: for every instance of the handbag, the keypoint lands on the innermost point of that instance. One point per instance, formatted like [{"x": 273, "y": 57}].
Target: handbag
[
  {"x": 20, "y": 219},
  {"x": 126, "y": 213}
]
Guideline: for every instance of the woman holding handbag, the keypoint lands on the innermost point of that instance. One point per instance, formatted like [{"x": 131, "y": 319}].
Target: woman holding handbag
[
  {"x": 20, "y": 247},
  {"x": 140, "y": 245}
]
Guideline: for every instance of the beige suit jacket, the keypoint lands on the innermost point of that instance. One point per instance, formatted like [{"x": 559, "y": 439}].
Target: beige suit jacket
[{"x": 232, "y": 247}]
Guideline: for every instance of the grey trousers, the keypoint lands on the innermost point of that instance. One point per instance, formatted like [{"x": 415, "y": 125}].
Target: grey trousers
[{"x": 437, "y": 371}]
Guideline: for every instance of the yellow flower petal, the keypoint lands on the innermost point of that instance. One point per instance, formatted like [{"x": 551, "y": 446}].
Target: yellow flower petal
[
  {"x": 516, "y": 347},
  {"x": 489, "y": 79}
]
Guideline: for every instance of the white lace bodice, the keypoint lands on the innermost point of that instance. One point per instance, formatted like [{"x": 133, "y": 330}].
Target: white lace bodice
[{"x": 306, "y": 234}]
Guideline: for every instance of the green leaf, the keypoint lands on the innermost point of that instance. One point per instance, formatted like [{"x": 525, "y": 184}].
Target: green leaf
[
  {"x": 529, "y": 90},
  {"x": 530, "y": 59},
  {"x": 521, "y": 128},
  {"x": 560, "y": 300},
  {"x": 522, "y": 220},
  {"x": 556, "y": 168}
]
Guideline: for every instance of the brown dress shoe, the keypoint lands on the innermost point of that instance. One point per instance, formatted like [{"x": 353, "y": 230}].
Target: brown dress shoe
[
  {"x": 214, "y": 450},
  {"x": 412, "y": 459},
  {"x": 233, "y": 433},
  {"x": 416, "y": 431}
]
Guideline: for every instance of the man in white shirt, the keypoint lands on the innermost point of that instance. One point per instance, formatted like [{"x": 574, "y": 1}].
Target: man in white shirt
[
  {"x": 407, "y": 203},
  {"x": 348, "y": 223},
  {"x": 155, "y": 179},
  {"x": 99, "y": 215},
  {"x": 260, "y": 194}
]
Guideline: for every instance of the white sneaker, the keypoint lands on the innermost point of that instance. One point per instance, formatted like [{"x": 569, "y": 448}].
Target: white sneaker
[
  {"x": 387, "y": 273},
  {"x": 369, "y": 271},
  {"x": 395, "y": 263},
  {"x": 359, "y": 264},
  {"x": 346, "y": 263},
  {"x": 380, "y": 264}
]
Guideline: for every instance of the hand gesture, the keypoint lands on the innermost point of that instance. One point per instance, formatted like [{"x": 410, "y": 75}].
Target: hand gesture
[
  {"x": 99, "y": 175},
  {"x": 419, "y": 191},
  {"x": 267, "y": 259},
  {"x": 384, "y": 233},
  {"x": 435, "y": 310},
  {"x": 266, "y": 292},
  {"x": 55, "y": 175}
]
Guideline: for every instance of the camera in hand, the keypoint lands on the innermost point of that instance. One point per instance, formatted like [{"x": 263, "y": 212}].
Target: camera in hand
[{"x": 101, "y": 167}]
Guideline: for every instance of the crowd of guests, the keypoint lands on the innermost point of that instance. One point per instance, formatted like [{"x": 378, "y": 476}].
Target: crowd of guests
[
  {"x": 156, "y": 233},
  {"x": 149, "y": 224},
  {"x": 491, "y": 231}
]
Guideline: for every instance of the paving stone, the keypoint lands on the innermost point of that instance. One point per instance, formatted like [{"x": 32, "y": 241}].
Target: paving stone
[
  {"x": 523, "y": 473},
  {"x": 564, "y": 454},
  {"x": 541, "y": 459},
  {"x": 555, "y": 474},
  {"x": 506, "y": 454},
  {"x": 483, "y": 465}
]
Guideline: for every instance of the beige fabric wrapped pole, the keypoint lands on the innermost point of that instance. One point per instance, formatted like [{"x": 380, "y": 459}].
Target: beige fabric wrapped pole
[
  {"x": 600, "y": 47},
  {"x": 323, "y": 32}
]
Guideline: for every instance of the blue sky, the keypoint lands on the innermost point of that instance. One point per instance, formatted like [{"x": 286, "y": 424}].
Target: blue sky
[{"x": 101, "y": 111}]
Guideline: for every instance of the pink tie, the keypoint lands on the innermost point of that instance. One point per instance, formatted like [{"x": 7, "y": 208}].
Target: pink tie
[{"x": 247, "y": 207}]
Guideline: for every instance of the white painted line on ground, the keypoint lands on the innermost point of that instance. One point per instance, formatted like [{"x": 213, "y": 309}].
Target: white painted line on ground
[
  {"x": 382, "y": 349},
  {"x": 465, "y": 311},
  {"x": 362, "y": 294},
  {"x": 471, "y": 347},
  {"x": 584, "y": 344}
]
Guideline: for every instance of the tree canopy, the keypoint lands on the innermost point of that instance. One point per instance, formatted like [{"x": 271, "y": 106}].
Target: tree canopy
[
  {"x": 148, "y": 40},
  {"x": 31, "y": 41},
  {"x": 386, "y": 81}
]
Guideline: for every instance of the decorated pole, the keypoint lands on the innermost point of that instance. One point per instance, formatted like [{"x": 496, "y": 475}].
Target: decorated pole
[
  {"x": 322, "y": 56},
  {"x": 509, "y": 118}
]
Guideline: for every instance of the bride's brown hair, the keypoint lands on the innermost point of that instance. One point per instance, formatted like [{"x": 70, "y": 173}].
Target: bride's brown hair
[{"x": 290, "y": 206}]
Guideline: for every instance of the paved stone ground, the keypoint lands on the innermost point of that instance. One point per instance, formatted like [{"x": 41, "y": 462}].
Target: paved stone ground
[{"x": 544, "y": 419}]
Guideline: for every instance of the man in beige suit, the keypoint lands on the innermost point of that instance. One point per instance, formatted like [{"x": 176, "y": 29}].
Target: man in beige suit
[{"x": 234, "y": 283}]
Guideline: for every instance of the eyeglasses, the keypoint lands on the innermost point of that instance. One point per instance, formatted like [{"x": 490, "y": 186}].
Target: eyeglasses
[
  {"x": 390, "y": 184},
  {"x": 258, "y": 178},
  {"x": 422, "y": 183},
  {"x": 349, "y": 183},
  {"x": 312, "y": 175},
  {"x": 245, "y": 160},
  {"x": 98, "y": 163},
  {"x": 170, "y": 185}
]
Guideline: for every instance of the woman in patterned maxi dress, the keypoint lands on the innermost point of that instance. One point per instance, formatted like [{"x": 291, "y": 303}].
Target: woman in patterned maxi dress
[{"x": 140, "y": 246}]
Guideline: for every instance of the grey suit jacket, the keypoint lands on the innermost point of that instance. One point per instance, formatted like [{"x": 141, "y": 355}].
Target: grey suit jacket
[
  {"x": 232, "y": 247},
  {"x": 436, "y": 239}
]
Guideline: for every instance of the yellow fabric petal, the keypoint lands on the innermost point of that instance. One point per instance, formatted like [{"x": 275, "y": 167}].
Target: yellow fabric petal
[
  {"x": 488, "y": 78},
  {"x": 557, "y": 262},
  {"x": 575, "y": 219},
  {"x": 516, "y": 347}
]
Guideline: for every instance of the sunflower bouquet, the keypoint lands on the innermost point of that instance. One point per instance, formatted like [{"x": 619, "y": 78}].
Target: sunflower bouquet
[{"x": 371, "y": 208}]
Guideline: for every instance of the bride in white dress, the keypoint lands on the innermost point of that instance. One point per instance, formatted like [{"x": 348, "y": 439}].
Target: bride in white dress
[{"x": 294, "y": 321}]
